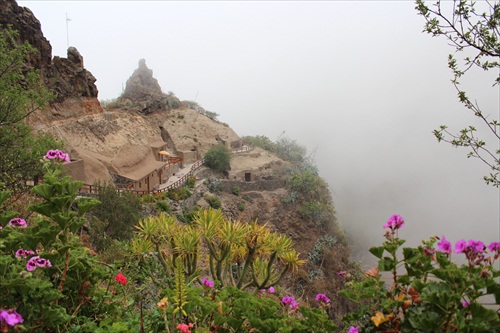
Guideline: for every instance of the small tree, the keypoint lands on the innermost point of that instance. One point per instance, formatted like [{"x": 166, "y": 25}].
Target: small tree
[
  {"x": 21, "y": 93},
  {"x": 478, "y": 33},
  {"x": 217, "y": 158},
  {"x": 115, "y": 217}
]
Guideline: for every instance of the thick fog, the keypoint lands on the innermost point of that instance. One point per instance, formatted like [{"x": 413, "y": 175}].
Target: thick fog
[{"x": 357, "y": 82}]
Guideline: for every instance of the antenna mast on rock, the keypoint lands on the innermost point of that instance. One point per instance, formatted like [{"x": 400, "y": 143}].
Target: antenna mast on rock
[{"x": 67, "y": 30}]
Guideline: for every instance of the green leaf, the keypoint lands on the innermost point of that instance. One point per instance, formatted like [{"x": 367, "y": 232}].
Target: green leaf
[
  {"x": 377, "y": 251},
  {"x": 43, "y": 190},
  {"x": 84, "y": 204}
]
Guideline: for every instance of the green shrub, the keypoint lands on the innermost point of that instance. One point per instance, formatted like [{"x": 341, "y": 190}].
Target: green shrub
[
  {"x": 235, "y": 190},
  {"x": 119, "y": 212},
  {"x": 191, "y": 181},
  {"x": 241, "y": 207},
  {"x": 213, "y": 201},
  {"x": 218, "y": 158},
  {"x": 163, "y": 206},
  {"x": 188, "y": 216},
  {"x": 179, "y": 194}
]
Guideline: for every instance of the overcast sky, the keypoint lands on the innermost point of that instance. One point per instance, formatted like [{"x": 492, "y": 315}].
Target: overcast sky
[{"x": 356, "y": 81}]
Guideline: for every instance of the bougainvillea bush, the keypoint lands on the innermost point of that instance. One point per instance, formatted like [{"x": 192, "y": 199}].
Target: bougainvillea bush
[{"x": 427, "y": 291}]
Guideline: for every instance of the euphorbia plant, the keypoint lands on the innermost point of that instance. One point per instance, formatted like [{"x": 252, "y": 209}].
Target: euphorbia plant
[{"x": 427, "y": 292}]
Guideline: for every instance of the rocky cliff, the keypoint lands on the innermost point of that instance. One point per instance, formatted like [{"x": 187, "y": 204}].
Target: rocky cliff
[{"x": 66, "y": 77}]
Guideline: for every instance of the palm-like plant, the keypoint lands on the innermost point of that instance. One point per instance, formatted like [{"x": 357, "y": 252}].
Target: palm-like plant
[{"x": 245, "y": 255}]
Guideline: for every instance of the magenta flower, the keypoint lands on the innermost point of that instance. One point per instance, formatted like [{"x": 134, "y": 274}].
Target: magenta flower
[
  {"x": 476, "y": 246},
  {"x": 271, "y": 290},
  {"x": 465, "y": 304},
  {"x": 35, "y": 262},
  {"x": 460, "y": 246},
  {"x": 10, "y": 317},
  {"x": 322, "y": 298},
  {"x": 18, "y": 222},
  {"x": 341, "y": 273},
  {"x": 394, "y": 222},
  {"x": 23, "y": 253},
  {"x": 444, "y": 245},
  {"x": 207, "y": 283},
  {"x": 290, "y": 301},
  {"x": 494, "y": 247},
  {"x": 353, "y": 329},
  {"x": 57, "y": 155}
]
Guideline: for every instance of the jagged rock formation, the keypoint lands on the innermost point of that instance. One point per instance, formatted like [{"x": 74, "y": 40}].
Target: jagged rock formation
[
  {"x": 143, "y": 93},
  {"x": 142, "y": 85},
  {"x": 66, "y": 77}
]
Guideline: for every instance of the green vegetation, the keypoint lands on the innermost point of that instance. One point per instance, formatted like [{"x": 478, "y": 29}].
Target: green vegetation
[
  {"x": 471, "y": 27},
  {"x": 21, "y": 93},
  {"x": 427, "y": 291},
  {"x": 235, "y": 190},
  {"x": 114, "y": 218},
  {"x": 217, "y": 158},
  {"x": 213, "y": 201}
]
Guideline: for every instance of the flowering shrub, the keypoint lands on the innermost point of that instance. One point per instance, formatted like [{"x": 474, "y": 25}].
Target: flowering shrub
[
  {"x": 47, "y": 275},
  {"x": 428, "y": 292}
]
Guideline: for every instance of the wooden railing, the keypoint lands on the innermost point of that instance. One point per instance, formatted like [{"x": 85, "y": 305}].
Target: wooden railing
[
  {"x": 183, "y": 179},
  {"x": 91, "y": 190}
]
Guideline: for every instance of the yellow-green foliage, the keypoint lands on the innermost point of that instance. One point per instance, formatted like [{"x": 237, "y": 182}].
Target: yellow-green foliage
[{"x": 246, "y": 255}]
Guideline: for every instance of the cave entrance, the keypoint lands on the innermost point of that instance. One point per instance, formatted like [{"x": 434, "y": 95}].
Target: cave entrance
[{"x": 248, "y": 176}]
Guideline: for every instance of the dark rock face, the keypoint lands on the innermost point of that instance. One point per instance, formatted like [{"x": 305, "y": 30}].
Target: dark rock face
[
  {"x": 29, "y": 28},
  {"x": 65, "y": 76},
  {"x": 142, "y": 85},
  {"x": 70, "y": 79}
]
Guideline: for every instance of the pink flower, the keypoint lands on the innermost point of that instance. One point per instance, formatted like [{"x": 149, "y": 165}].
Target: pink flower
[
  {"x": 460, "y": 246},
  {"x": 271, "y": 290},
  {"x": 494, "y": 247},
  {"x": 322, "y": 298},
  {"x": 394, "y": 222},
  {"x": 444, "y": 245},
  {"x": 207, "y": 283},
  {"x": 465, "y": 304},
  {"x": 353, "y": 329},
  {"x": 11, "y": 317},
  {"x": 17, "y": 222},
  {"x": 23, "y": 253},
  {"x": 35, "y": 262},
  {"x": 57, "y": 155},
  {"x": 120, "y": 278},
  {"x": 476, "y": 246},
  {"x": 341, "y": 273},
  {"x": 290, "y": 301},
  {"x": 185, "y": 328}
]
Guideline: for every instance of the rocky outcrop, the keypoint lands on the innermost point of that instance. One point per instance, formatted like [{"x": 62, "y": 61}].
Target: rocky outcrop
[
  {"x": 142, "y": 85},
  {"x": 66, "y": 77},
  {"x": 30, "y": 30},
  {"x": 144, "y": 94},
  {"x": 69, "y": 79}
]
